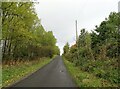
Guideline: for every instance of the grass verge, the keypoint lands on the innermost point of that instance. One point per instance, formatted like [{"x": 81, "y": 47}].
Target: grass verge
[
  {"x": 11, "y": 74},
  {"x": 85, "y": 79}
]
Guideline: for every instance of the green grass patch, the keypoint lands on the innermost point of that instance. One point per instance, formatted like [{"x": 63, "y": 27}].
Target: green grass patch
[
  {"x": 11, "y": 74},
  {"x": 85, "y": 79}
]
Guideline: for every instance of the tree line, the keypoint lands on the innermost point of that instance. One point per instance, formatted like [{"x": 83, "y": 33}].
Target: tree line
[
  {"x": 98, "y": 51},
  {"x": 23, "y": 36}
]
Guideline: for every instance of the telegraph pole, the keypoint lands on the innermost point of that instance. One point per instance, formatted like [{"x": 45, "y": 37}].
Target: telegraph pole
[
  {"x": 77, "y": 40},
  {"x": 76, "y": 32},
  {"x": 119, "y": 6},
  {"x": 118, "y": 50}
]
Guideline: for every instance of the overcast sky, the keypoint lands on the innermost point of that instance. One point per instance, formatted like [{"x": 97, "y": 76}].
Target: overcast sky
[{"x": 59, "y": 16}]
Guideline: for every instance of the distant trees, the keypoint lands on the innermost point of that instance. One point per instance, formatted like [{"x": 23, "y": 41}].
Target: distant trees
[
  {"x": 23, "y": 36},
  {"x": 99, "y": 50},
  {"x": 66, "y": 48}
]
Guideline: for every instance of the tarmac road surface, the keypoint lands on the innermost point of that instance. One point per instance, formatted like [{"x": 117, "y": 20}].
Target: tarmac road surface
[{"x": 53, "y": 74}]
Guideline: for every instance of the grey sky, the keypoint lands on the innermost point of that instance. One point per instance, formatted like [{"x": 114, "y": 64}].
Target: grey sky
[{"x": 59, "y": 16}]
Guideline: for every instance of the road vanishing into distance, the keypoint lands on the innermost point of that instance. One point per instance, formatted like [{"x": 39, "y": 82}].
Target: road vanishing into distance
[{"x": 53, "y": 74}]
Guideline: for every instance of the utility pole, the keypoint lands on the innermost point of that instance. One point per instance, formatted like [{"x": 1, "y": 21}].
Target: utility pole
[
  {"x": 76, "y": 32},
  {"x": 118, "y": 50},
  {"x": 119, "y": 12},
  {"x": 77, "y": 40},
  {"x": 119, "y": 6}
]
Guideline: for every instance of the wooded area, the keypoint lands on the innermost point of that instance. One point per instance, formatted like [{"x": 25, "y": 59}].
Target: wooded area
[
  {"x": 98, "y": 52},
  {"x": 23, "y": 36}
]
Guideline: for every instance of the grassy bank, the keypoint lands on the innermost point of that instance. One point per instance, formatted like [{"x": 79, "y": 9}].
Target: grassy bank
[
  {"x": 85, "y": 79},
  {"x": 11, "y": 74}
]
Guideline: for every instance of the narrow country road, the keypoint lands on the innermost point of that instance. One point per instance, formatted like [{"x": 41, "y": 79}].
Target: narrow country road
[{"x": 53, "y": 74}]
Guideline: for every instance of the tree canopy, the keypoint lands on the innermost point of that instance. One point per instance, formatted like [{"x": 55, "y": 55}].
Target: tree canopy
[{"x": 23, "y": 35}]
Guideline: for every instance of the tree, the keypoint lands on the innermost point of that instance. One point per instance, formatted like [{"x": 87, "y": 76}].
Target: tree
[
  {"x": 106, "y": 36},
  {"x": 24, "y": 37},
  {"x": 66, "y": 48}
]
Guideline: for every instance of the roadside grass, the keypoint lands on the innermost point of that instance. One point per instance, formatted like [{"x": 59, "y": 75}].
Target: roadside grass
[
  {"x": 0, "y": 75},
  {"x": 85, "y": 79},
  {"x": 11, "y": 74}
]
